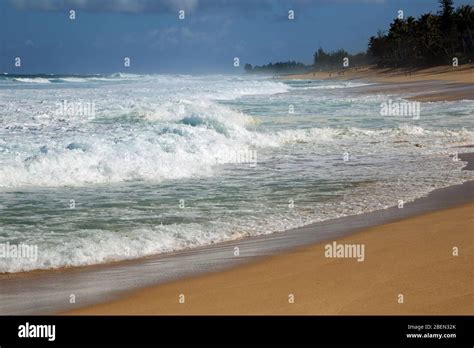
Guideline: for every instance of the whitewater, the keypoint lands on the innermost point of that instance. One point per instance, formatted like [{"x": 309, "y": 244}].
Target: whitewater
[{"x": 168, "y": 162}]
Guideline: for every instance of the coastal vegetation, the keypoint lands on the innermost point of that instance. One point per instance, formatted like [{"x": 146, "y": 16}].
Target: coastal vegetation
[
  {"x": 432, "y": 39},
  {"x": 278, "y": 67},
  {"x": 445, "y": 37}
]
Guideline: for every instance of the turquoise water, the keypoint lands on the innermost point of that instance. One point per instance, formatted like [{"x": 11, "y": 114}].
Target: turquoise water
[{"x": 162, "y": 163}]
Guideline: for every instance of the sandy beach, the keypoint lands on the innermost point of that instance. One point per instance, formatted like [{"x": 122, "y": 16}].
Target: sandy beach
[
  {"x": 412, "y": 257},
  {"x": 444, "y": 83},
  {"x": 459, "y": 74}
]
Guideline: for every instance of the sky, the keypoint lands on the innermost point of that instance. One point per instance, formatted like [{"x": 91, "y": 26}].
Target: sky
[{"x": 212, "y": 33}]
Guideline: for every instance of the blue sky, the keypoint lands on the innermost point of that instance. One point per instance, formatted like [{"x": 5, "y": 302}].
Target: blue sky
[{"x": 213, "y": 32}]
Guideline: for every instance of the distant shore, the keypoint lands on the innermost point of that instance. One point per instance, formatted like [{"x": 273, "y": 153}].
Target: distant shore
[{"x": 443, "y": 83}]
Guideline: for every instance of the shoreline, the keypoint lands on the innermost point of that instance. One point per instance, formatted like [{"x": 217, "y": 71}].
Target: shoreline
[
  {"x": 442, "y": 83},
  {"x": 29, "y": 293},
  {"x": 421, "y": 267}
]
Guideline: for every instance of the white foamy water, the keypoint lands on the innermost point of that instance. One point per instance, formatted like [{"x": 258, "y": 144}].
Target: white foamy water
[{"x": 154, "y": 164}]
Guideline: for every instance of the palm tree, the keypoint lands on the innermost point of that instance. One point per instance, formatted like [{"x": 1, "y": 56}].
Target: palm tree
[
  {"x": 464, "y": 19},
  {"x": 432, "y": 39}
]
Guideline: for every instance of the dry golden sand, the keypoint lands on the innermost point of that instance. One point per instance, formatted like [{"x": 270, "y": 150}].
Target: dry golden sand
[
  {"x": 412, "y": 257},
  {"x": 460, "y": 74},
  {"x": 453, "y": 83}
]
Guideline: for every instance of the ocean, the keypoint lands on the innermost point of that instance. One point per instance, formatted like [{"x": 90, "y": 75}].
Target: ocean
[{"x": 95, "y": 169}]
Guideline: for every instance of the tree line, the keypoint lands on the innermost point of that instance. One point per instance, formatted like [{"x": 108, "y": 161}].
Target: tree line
[
  {"x": 278, "y": 67},
  {"x": 430, "y": 40},
  {"x": 329, "y": 60}
]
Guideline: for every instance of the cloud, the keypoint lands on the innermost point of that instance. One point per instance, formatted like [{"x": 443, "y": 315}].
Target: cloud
[
  {"x": 123, "y": 6},
  {"x": 139, "y": 6},
  {"x": 174, "y": 36},
  {"x": 29, "y": 43},
  {"x": 165, "y": 6},
  {"x": 164, "y": 38},
  {"x": 168, "y": 6}
]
